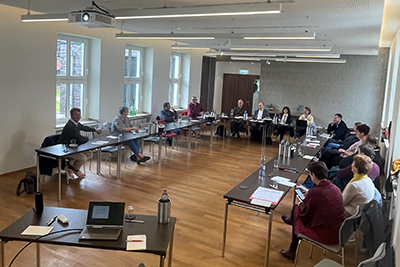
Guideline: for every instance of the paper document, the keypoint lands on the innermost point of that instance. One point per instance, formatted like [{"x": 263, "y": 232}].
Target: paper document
[
  {"x": 267, "y": 194},
  {"x": 37, "y": 230},
  {"x": 195, "y": 121},
  {"x": 260, "y": 202},
  {"x": 112, "y": 137},
  {"x": 280, "y": 179},
  {"x": 100, "y": 142},
  {"x": 136, "y": 242},
  {"x": 308, "y": 157},
  {"x": 325, "y": 135}
]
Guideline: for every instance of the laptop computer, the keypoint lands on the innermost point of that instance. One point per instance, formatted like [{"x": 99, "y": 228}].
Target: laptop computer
[{"x": 104, "y": 221}]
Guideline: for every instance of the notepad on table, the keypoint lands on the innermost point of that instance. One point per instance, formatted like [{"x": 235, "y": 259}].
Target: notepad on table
[
  {"x": 37, "y": 230},
  {"x": 136, "y": 242}
]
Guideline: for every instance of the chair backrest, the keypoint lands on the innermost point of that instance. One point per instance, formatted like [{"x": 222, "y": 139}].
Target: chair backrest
[
  {"x": 379, "y": 254},
  {"x": 143, "y": 125},
  {"x": 89, "y": 135},
  {"x": 161, "y": 121},
  {"x": 185, "y": 118},
  {"x": 184, "y": 113},
  {"x": 51, "y": 140},
  {"x": 348, "y": 227}
]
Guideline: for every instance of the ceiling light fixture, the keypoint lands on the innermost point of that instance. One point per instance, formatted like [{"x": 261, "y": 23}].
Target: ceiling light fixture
[
  {"x": 314, "y": 60},
  {"x": 201, "y": 11},
  {"x": 44, "y": 17},
  {"x": 279, "y": 36},
  {"x": 170, "y": 36},
  {"x": 282, "y": 48}
]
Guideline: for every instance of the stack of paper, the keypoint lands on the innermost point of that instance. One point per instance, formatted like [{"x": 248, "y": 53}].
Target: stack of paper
[
  {"x": 283, "y": 181},
  {"x": 266, "y": 195},
  {"x": 136, "y": 242},
  {"x": 100, "y": 142},
  {"x": 325, "y": 135}
]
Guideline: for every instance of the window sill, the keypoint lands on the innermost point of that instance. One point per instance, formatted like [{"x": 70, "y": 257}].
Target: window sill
[
  {"x": 60, "y": 126},
  {"x": 139, "y": 116}
]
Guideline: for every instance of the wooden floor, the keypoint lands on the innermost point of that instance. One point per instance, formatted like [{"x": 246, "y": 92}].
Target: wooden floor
[{"x": 196, "y": 183}]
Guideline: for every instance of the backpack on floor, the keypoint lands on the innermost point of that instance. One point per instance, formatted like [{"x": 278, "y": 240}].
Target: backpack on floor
[
  {"x": 29, "y": 183},
  {"x": 221, "y": 130}
]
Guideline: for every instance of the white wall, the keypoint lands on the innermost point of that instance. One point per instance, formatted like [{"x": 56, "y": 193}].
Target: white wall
[
  {"x": 28, "y": 78},
  {"x": 233, "y": 68}
]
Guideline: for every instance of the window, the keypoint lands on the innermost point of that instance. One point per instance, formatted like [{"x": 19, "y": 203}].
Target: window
[
  {"x": 175, "y": 79},
  {"x": 71, "y": 75},
  {"x": 133, "y": 85}
]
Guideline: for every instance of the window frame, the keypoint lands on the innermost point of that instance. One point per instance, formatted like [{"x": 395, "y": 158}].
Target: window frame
[
  {"x": 70, "y": 80},
  {"x": 175, "y": 80},
  {"x": 128, "y": 80}
]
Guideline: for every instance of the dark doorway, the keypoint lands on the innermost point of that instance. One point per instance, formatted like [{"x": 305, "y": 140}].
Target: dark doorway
[{"x": 236, "y": 86}]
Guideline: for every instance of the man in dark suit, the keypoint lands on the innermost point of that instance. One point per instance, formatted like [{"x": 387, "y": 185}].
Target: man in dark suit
[
  {"x": 71, "y": 132},
  {"x": 257, "y": 128},
  {"x": 338, "y": 127}
]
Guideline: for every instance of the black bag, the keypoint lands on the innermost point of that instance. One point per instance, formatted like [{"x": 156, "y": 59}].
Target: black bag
[
  {"x": 221, "y": 130},
  {"x": 29, "y": 183}
]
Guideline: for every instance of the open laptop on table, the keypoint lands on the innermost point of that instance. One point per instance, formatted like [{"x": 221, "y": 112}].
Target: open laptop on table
[{"x": 104, "y": 221}]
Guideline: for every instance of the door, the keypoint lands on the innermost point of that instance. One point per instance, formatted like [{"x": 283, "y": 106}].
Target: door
[{"x": 235, "y": 87}]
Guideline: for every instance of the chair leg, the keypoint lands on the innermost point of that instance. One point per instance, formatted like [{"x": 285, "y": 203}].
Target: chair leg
[
  {"x": 297, "y": 253},
  {"x": 152, "y": 144},
  {"x": 343, "y": 256},
  {"x": 109, "y": 164},
  {"x": 311, "y": 251}
]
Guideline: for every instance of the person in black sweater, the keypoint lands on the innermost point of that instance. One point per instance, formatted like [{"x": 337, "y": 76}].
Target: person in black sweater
[
  {"x": 71, "y": 135},
  {"x": 338, "y": 127}
]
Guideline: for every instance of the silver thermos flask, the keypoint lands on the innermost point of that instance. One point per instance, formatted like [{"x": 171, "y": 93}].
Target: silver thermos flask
[{"x": 164, "y": 208}]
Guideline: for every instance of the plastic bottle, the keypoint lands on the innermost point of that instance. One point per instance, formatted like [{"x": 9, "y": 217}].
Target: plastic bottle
[
  {"x": 281, "y": 147},
  {"x": 245, "y": 115},
  {"x": 164, "y": 197},
  {"x": 275, "y": 120},
  {"x": 261, "y": 172},
  {"x": 232, "y": 114}
]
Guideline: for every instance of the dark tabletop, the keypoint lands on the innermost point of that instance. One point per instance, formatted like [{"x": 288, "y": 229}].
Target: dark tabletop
[{"x": 158, "y": 235}]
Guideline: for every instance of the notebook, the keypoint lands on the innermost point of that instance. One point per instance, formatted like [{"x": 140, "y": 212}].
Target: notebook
[{"x": 104, "y": 221}]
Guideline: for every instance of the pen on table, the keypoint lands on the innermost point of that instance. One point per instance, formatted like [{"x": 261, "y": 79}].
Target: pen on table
[
  {"x": 134, "y": 240},
  {"x": 49, "y": 222},
  {"x": 134, "y": 221}
]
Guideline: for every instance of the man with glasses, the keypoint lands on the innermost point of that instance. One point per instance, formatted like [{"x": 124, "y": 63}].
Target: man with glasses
[{"x": 194, "y": 109}]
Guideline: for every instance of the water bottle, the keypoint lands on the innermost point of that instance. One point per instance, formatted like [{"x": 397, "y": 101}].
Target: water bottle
[
  {"x": 275, "y": 120},
  {"x": 261, "y": 172},
  {"x": 281, "y": 147},
  {"x": 156, "y": 126},
  {"x": 120, "y": 137},
  {"x": 164, "y": 208},
  {"x": 232, "y": 114},
  {"x": 287, "y": 149},
  {"x": 245, "y": 116}
]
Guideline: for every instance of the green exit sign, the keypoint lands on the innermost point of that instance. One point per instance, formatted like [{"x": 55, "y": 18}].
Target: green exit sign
[{"x": 244, "y": 71}]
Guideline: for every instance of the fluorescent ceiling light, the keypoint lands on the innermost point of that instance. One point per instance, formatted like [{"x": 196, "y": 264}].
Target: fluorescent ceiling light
[
  {"x": 44, "y": 17},
  {"x": 200, "y": 11},
  {"x": 250, "y": 54},
  {"x": 282, "y": 48},
  {"x": 315, "y": 60},
  {"x": 278, "y": 36},
  {"x": 172, "y": 36}
]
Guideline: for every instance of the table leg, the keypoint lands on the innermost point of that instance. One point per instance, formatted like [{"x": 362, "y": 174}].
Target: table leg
[
  {"x": 37, "y": 174},
  {"x": 171, "y": 245},
  {"x": 98, "y": 161},
  {"x": 141, "y": 145},
  {"x": 267, "y": 249},
  {"x": 2, "y": 259},
  {"x": 37, "y": 255},
  {"x": 59, "y": 179},
  {"x": 162, "y": 261},
  {"x": 225, "y": 227},
  {"x": 190, "y": 138},
  {"x": 159, "y": 147},
  {"x": 119, "y": 161}
]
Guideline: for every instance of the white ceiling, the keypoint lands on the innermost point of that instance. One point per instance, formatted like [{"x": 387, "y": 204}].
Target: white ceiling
[{"x": 348, "y": 26}]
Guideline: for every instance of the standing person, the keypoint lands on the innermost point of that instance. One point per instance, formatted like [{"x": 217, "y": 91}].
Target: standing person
[
  {"x": 338, "y": 127},
  {"x": 194, "y": 109},
  {"x": 121, "y": 124},
  {"x": 257, "y": 128},
  {"x": 306, "y": 116},
  {"x": 71, "y": 131},
  {"x": 286, "y": 120},
  {"x": 320, "y": 215},
  {"x": 168, "y": 114},
  {"x": 238, "y": 125}
]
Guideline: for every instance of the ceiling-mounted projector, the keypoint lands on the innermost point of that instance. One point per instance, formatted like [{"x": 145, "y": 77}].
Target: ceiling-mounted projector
[{"x": 91, "y": 19}]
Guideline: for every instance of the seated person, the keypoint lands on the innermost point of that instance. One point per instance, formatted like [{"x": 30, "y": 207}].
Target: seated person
[
  {"x": 360, "y": 190},
  {"x": 338, "y": 127},
  {"x": 321, "y": 213},
  {"x": 286, "y": 120},
  {"x": 168, "y": 114},
  {"x": 194, "y": 109},
  {"x": 344, "y": 175},
  {"x": 121, "y": 124},
  {"x": 306, "y": 116},
  {"x": 238, "y": 125},
  {"x": 71, "y": 131},
  {"x": 257, "y": 128},
  {"x": 350, "y": 139},
  {"x": 333, "y": 157}
]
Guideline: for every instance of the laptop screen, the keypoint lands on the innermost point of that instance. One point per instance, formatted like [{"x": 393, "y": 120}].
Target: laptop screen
[{"x": 106, "y": 213}]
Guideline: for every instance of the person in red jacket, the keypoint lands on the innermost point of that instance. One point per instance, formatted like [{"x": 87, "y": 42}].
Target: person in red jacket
[{"x": 320, "y": 215}]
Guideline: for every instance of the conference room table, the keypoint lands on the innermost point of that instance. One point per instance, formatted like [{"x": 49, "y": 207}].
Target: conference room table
[
  {"x": 60, "y": 152},
  {"x": 159, "y": 236},
  {"x": 240, "y": 194}
]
